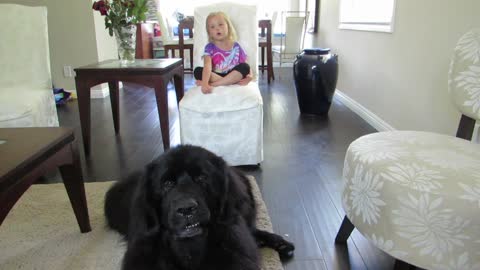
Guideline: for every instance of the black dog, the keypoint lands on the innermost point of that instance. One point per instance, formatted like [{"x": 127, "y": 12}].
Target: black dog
[{"x": 189, "y": 210}]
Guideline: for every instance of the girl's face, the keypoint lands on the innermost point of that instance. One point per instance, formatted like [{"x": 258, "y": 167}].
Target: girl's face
[{"x": 217, "y": 28}]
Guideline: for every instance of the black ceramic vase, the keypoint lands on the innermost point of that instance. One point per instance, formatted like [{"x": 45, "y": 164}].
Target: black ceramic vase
[{"x": 315, "y": 72}]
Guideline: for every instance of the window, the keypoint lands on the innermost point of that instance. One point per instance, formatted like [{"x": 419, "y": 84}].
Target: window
[{"x": 367, "y": 15}]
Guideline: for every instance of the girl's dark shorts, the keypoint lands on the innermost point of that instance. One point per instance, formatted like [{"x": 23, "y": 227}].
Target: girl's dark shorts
[{"x": 243, "y": 68}]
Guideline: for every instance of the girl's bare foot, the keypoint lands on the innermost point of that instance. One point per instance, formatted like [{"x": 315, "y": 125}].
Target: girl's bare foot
[{"x": 245, "y": 80}]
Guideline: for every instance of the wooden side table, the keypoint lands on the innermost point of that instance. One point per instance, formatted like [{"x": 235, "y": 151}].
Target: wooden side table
[
  {"x": 28, "y": 153},
  {"x": 154, "y": 73}
]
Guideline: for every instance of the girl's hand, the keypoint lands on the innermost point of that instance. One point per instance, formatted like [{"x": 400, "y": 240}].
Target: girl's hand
[
  {"x": 246, "y": 80},
  {"x": 206, "y": 88}
]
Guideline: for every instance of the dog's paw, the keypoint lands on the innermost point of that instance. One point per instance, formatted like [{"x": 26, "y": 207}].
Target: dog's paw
[{"x": 285, "y": 250}]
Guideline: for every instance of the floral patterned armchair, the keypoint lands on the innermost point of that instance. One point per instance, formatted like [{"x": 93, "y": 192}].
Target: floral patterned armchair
[{"x": 416, "y": 195}]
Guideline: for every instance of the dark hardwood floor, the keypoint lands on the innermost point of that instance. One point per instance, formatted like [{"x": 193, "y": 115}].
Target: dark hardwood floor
[{"x": 300, "y": 178}]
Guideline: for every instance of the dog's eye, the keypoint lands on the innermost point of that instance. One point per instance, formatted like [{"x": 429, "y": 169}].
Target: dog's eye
[
  {"x": 168, "y": 184},
  {"x": 200, "y": 178}
]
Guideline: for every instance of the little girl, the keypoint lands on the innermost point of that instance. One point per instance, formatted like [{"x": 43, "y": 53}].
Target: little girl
[{"x": 224, "y": 60}]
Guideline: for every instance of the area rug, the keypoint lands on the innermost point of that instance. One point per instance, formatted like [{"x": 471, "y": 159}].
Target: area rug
[{"x": 41, "y": 232}]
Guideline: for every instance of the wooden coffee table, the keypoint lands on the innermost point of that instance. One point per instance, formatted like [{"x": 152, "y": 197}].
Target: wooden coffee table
[
  {"x": 154, "y": 73},
  {"x": 27, "y": 154}
]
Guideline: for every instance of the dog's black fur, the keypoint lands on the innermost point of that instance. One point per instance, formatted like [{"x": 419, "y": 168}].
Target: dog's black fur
[{"x": 189, "y": 210}]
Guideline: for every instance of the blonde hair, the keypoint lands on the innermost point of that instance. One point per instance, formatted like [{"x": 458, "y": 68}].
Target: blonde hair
[{"x": 232, "y": 34}]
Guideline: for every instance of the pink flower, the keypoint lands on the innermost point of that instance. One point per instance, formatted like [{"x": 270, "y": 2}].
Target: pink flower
[
  {"x": 120, "y": 13},
  {"x": 100, "y": 6}
]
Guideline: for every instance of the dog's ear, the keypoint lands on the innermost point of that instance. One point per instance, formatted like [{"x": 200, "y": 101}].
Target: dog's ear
[
  {"x": 234, "y": 193},
  {"x": 224, "y": 193},
  {"x": 145, "y": 217}
]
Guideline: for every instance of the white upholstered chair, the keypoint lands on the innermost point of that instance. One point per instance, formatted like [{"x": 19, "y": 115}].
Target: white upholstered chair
[
  {"x": 416, "y": 195},
  {"x": 229, "y": 121},
  {"x": 26, "y": 96}
]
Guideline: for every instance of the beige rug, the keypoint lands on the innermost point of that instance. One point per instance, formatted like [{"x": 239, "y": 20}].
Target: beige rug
[{"x": 42, "y": 233}]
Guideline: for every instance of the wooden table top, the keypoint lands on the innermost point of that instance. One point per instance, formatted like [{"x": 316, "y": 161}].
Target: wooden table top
[
  {"x": 137, "y": 64},
  {"x": 22, "y": 148}
]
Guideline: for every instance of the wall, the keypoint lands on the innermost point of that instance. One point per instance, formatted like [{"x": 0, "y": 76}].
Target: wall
[
  {"x": 72, "y": 41},
  {"x": 106, "y": 46},
  {"x": 402, "y": 77},
  {"x": 76, "y": 38}
]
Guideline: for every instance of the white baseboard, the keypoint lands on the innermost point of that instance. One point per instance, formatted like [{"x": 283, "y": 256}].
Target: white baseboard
[
  {"x": 98, "y": 91},
  {"x": 284, "y": 64},
  {"x": 371, "y": 118},
  {"x": 376, "y": 121}
]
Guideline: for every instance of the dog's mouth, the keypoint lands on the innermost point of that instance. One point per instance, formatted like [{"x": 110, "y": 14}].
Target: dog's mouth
[{"x": 190, "y": 230}]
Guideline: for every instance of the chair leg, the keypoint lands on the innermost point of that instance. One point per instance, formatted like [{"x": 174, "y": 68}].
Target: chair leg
[
  {"x": 263, "y": 59},
  {"x": 466, "y": 128},
  {"x": 344, "y": 232},
  {"x": 191, "y": 59},
  {"x": 401, "y": 265}
]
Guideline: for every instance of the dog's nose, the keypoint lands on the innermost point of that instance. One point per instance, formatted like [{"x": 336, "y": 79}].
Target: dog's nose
[{"x": 187, "y": 207}]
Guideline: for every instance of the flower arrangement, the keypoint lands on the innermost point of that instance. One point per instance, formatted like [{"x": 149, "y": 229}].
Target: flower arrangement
[{"x": 121, "y": 13}]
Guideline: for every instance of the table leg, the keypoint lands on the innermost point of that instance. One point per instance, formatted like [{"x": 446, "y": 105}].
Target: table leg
[
  {"x": 179, "y": 85},
  {"x": 11, "y": 196},
  {"x": 114, "y": 100},
  {"x": 83, "y": 95},
  {"x": 72, "y": 179},
  {"x": 162, "y": 106}
]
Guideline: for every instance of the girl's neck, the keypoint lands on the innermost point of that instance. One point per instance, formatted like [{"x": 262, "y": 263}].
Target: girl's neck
[{"x": 225, "y": 45}]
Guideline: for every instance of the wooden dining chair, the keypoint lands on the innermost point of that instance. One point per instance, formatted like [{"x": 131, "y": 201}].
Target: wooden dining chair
[
  {"x": 265, "y": 43},
  {"x": 187, "y": 23},
  {"x": 182, "y": 43}
]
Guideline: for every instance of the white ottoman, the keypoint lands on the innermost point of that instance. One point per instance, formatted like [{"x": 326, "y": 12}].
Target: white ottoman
[{"x": 228, "y": 122}]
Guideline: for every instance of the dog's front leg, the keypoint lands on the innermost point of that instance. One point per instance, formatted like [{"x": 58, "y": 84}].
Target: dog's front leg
[
  {"x": 266, "y": 239},
  {"x": 237, "y": 247},
  {"x": 144, "y": 253}
]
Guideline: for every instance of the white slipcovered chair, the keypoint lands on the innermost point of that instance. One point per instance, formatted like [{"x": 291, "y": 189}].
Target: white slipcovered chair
[
  {"x": 229, "y": 121},
  {"x": 416, "y": 195},
  {"x": 26, "y": 96}
]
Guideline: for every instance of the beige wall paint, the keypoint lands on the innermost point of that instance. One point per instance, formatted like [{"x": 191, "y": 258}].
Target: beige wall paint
[
  {"x": 106, "y": 46},
  {"x": 76, "y": 38},
  {"x": 402, "y": 77},
  {"x": 72, "y": 41}
]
